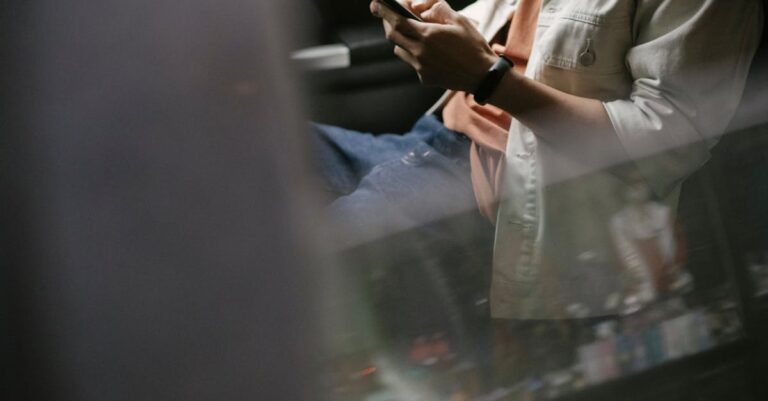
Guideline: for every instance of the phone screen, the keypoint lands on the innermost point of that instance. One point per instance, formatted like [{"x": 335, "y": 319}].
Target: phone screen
[{"x": 400, "y": 9}]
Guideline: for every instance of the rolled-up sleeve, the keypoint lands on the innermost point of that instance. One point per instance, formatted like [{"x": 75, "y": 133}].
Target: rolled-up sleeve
[{"x": 689, "y": 64}]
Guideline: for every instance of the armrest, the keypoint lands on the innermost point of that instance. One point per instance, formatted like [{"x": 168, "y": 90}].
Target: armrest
[
  {"x": 325, "y": 57},
  {"x": 358, "y": 45},
  {"x": 367, "y": 44}
]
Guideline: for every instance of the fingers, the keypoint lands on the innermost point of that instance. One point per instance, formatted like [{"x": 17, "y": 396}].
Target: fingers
[
  {"x": 439, "y": 12},
  {"x": 407, "y": 57},
  {"x": 410, "y": 59},
  {"x": 419, "y": 6},
  {"x": 399, "y": 23},
  {"x": 399, "y": 39}
]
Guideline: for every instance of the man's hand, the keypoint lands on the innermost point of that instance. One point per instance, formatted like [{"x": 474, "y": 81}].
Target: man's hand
[
  {"x": 446, "y": 49},
  {"x": 420, "y": 6}
]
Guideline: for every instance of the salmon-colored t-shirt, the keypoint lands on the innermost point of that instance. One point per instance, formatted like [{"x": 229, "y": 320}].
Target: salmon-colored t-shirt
[{"x": 488, "y": 126}]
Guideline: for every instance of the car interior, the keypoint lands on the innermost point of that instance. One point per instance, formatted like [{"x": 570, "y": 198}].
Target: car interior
[
  {"x": 721, "y": 211},
  {"x": 149, "y": 250}
]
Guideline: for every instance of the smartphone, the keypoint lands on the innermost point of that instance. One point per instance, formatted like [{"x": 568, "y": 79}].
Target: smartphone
[{"x": 400, "y": 9}]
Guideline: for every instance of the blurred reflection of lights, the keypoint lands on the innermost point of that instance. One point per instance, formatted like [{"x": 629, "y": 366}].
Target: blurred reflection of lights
[
  {"x": 367, "y": 371},
  {"x": 392, "y": 378}
]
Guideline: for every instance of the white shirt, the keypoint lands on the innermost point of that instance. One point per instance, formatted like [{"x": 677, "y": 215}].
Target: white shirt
[{"x": 670, "y": 74}]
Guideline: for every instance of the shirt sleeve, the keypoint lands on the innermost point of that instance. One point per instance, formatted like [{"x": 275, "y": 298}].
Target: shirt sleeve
[
  {"x": 689, "y": 65},
  {"x": 477, "y": 11},
  {"x": 489, "y": 16}
]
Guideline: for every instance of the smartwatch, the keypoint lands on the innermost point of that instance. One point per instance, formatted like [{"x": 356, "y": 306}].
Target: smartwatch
[{"x": 491, "y": 79}]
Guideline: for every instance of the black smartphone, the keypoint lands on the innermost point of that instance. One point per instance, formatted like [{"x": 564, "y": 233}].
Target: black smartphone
[{"x": 400, "y": 9}]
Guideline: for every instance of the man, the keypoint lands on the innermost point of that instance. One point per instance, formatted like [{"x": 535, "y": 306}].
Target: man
[{"x": 552, "y": 105}]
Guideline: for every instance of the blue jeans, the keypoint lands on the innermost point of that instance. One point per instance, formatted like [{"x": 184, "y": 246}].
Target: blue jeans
[
  {"x": 386, "y": 184},
  {"x": 407, "y": 202}
]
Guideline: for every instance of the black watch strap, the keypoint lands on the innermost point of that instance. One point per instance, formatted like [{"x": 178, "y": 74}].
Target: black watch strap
[{"x": 491, "y": 79}]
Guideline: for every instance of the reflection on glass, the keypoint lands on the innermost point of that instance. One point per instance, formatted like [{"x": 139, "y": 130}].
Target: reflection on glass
[{"x": 413, "y": 325}]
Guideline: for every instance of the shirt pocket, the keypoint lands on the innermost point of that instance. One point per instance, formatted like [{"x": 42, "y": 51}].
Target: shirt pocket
[{"x": 586, "y": 42}]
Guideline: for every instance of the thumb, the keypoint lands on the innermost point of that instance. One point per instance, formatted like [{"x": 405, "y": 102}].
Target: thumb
[
  {"x": 419, "y": 6},
  {"x": 440, "y": 13}
]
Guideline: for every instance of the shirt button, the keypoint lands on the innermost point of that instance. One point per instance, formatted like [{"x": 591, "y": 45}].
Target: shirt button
[{"x": 587, "y": 56}]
